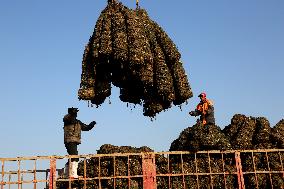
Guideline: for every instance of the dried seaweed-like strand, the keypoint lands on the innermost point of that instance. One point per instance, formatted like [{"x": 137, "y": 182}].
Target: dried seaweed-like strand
[
  {"x": 151, "y": 107},
  {"x": 149, "y": 32},
  {"x": 129, "y": 95},
  {"x": 90, "y": 57},
  {"x": 102, "y": 53},
  {"x": 146, "y": 73},
  {"x": 94, "y": 45},
  {"x": 102, "y": 91},
  {"x": 86, "y": 91},
  {"x": 102, "y": 86},
  {"x": 119, "y": 45},
  {"x": 169, "y": 48},
  {"x": 163, "y": 85},
  {"x": 153, "y": 104},
  {"x": 132, "y": 91},
  {"x": 139, "y": 57},
  {"x": 182, "y": 87},
  {"x": 97, "y": 34},
  {"x": 163, "y": 78},
  {"x": 105, "y": 48},
  {"x": 119, "y": 36},
  {"x": 148, "y": 69},
  {"x": 160, "y": 98},
  {"x": 134, "y": 39},
  {"x": 134, "y": 83}
]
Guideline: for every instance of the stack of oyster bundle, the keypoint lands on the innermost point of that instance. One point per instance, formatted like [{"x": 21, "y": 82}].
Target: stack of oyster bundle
[{"x": 132, "y": 52}]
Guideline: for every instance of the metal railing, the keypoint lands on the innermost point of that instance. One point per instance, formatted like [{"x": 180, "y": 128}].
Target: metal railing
[{"x": 151, "y": 170}]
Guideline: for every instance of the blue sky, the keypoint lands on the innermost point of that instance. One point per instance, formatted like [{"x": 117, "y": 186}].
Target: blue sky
[{"x": 232, "y": 50}]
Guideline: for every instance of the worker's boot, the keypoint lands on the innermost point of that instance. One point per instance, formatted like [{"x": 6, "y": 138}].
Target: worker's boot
[{"x": 73, "y": 169}]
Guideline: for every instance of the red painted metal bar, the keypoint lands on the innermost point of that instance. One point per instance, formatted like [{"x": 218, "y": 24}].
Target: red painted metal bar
[
  {"x": 239, "y": 170},
  {"x": 46, "y": 177},
  {"x": 35, "y": 180},
  {"x": 114, "y": 173},
  {"x": 149, "y": 171},
  {"x": 169, "y": 177},
  {"x": 85, "y": 174},
  {"x": 19, "y": 174},
  {"x": 69, "y": 171},
  {"x": 128, "y": 172},
  {"x": 52, "y": 174},
  {"x": 2, "y": 182},
  {"x": 100, "y": 184}
]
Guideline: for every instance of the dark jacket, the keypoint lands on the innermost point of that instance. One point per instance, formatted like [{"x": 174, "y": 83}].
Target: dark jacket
[
  {"x": 206, "y": 112},
  {"x": 73, "y": 127}
]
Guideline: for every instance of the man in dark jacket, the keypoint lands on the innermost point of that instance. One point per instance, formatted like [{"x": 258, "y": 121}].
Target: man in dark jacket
[
  {"x": 72, "y": 137},
  {"x": 205, "y": 110}
]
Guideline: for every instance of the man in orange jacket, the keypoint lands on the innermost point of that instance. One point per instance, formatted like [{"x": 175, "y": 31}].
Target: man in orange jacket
[{"x": 205, "y": 110}]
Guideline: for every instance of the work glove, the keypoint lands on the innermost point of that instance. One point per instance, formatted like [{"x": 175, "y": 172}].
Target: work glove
[{"x": 93, "y": 123}]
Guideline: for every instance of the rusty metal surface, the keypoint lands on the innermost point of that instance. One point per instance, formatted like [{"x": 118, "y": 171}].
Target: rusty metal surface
[
  {"x": 239, "y": 171},
  {"x": 52, "y": 174},
  {"x": 149, "y": 171}
]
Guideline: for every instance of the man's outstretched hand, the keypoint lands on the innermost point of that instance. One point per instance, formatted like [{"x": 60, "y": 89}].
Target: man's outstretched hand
[{"x": 93, "y": 123}]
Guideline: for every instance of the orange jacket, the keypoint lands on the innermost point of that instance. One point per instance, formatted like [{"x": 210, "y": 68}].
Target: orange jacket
[{"x": 206, "y": 112}]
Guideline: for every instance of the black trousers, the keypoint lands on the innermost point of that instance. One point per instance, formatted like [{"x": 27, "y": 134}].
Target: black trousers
[{"x": 71, "y": 148}]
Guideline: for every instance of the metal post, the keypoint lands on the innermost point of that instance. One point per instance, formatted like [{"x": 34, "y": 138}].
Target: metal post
[
  {"x": 35, "y": 178},
  {"x": 267, "y": 159},
  {"x": 128, "y": 171},
  {"x": 224, "y": 171},
  {"x": 169, "y": 170},
  {"x": 19, "y": 174},
  {"x": 100, "y": 184},
  {"x": 52, "y": 174},
  {"x": 254, "y": 169},
  {"x": 114, "y": 173},
  {"x": 239, "y": 171},
  {"x": 281, "y": 164},
  {"x": 10, "y": 181},
  {"x": 210, "y": 171},
  {"x": 149, "y": 171},
  {"x": 182, "y": 170},
  {"x": 196, "y": 169},
  {"x": 85, "y": 173},
  {"x": 2, "y": 182}
]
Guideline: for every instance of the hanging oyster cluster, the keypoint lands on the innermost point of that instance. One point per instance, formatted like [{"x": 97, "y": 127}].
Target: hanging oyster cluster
[{"x": 133, "y": 53}]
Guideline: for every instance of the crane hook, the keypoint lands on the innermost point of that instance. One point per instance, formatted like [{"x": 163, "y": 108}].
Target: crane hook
[{"x": 137, "y": 4}]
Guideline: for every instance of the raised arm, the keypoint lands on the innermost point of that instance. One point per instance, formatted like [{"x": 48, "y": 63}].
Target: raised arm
[{"x": 85, "y": 127}]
